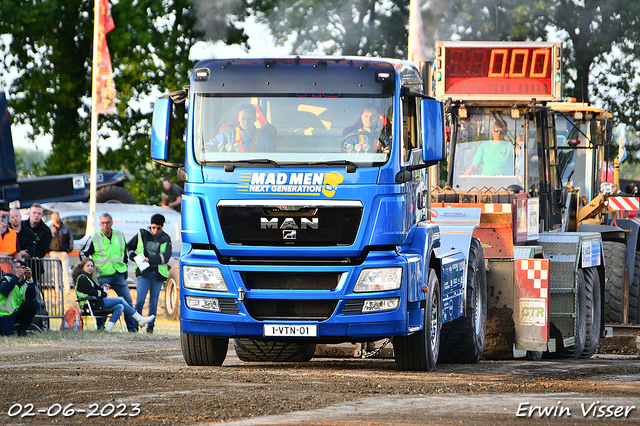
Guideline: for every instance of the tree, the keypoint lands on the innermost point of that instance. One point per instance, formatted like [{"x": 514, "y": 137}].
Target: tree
[
  {"x": 345, "y": 27},
  {"x": 51, "y": 43}
]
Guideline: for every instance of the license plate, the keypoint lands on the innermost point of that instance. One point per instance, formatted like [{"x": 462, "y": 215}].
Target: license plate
[{"x": 290, "y": 330}]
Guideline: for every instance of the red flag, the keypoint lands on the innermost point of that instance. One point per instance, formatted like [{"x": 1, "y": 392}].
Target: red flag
[{"x": 105, "y": 91}]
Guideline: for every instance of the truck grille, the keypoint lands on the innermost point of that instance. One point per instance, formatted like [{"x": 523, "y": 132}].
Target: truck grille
[
  {"x": 271, "y": 309},
  {"x": 290, "y": 280},
  {"x": 269, "y": 224}
]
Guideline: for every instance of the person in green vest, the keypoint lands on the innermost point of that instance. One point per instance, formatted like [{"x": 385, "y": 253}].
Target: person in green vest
[
  {"x": 150, "y": 250},
  {"x": 107, "y": 249},
  {"x": 18, "y": 299}
]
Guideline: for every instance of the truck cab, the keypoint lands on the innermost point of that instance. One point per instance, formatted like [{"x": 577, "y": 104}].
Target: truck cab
[{"x": 305, "y": 216}]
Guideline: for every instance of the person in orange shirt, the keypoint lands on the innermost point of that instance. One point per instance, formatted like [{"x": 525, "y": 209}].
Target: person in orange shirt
[{"x": 9, "y": 246}]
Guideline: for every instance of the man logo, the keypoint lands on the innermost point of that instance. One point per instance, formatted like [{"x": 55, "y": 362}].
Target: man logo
[{"x": 289, "y": 234}]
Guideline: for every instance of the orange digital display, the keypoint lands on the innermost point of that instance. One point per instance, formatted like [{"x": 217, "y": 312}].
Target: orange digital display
[{"x": 499, "y": 71}]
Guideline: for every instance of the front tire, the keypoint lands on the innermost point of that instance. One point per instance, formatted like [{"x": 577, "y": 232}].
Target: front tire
[
  {"x": 253, "y": 350},
  {"x": 593, "y": 312},
  {"x": 203, "y": 350},
  {"x": 463, "y": 339},
  {"x": 615, "y": 255},
  {"x": 419, "y": 351}
]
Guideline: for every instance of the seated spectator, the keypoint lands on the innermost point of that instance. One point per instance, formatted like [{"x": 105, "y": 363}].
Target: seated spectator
[{"x": 87, "y": 285}]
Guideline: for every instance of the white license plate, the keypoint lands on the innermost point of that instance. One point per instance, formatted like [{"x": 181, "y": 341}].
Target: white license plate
[{"x": 290, "y": 330}]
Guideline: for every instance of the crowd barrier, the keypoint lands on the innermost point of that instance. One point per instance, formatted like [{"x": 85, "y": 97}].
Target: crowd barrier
[{"x": 48, "y": 275}]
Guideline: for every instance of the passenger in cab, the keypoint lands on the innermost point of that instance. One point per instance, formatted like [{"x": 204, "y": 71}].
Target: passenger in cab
[{"x": 247, "y": 133}]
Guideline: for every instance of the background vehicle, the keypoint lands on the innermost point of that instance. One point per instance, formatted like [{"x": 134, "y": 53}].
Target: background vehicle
[
  {"x": 129, "y": 219},
  {"x": 503, "y": 87},
  {"x": 599, "y": 204},
  {"x": 319, "y": 238},
  {"x": 60, "y": 188}
]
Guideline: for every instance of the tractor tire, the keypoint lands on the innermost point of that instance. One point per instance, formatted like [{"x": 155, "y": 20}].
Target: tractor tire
[
  {"x": 203, "y": 350},
  {"x": 634, "y": 293},
  {"x": 593, "y": 311},
  {"x": 253, "y": 350},
  {"x": 114, "y": 194},
  {"x": 419, "y": 351},
  {"x": 615, "y": 257},
  {"x": 575, "y": 350},
  {"x": 172, "y": 295},
  {"x": 463, "y": 339}
]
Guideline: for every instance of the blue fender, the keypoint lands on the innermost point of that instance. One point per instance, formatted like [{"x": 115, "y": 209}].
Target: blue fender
[{"x": 422, "y": 240}]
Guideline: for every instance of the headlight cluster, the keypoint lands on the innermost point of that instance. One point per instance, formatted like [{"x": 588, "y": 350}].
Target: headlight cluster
[
  {"x": 379, "y": 279},
  {"x": 203, "y": 278}
]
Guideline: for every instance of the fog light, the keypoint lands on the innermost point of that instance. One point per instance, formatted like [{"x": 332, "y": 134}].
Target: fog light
[
  {"x": 202, "y": 303},
  {"x": 379, "y": 305}
]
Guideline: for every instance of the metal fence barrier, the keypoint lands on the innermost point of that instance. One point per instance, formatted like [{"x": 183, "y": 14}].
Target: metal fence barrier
[{"x": 48, "y": 275}]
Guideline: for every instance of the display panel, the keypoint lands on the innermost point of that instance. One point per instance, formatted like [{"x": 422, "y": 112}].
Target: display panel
[{"x": 509, "y": 69}]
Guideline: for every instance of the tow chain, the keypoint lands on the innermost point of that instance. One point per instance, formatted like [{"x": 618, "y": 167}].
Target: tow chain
[{"x": 376, "y": 351}]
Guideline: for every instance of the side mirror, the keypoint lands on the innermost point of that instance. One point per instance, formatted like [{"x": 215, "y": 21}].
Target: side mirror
[
  {"x": 433, "y": 146},
  {"x": 161, "y": 129}
]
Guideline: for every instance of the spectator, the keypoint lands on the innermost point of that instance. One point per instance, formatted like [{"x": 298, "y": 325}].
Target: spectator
[
  {"x": 61, "y": 246},
  {"x": 172, "y": 195},
  {"x": 155, "y": 246},
  {"x": 42, "y": 231},
  {"x": 107, "y": 248},
  {"x": 26, "y": 237},
  {"x": 85, "y": 282},
  {"x": 18, "y": 303},
  {"x": 43, "y": 238},
  {"x": 9, "y": 245}
]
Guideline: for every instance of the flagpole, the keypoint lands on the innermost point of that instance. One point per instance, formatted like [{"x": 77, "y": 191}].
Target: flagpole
[{"x": 94, "y": 120}]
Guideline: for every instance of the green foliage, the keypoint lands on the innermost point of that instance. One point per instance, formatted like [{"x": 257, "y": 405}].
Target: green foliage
[
  {"x": 345, "y": 27},
  {"x": 29, "y": 163},
  {"x": 149, "y": 50}
]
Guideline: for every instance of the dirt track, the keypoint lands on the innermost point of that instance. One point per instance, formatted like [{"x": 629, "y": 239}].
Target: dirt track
[{"x": 123, "y": 370}]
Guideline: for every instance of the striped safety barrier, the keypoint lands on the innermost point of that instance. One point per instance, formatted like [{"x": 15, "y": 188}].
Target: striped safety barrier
[{"x": 623, "y": 203}]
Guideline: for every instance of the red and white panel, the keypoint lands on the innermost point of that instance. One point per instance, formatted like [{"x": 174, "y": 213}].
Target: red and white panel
[
  {"x": 532, "y": 304},
  {"x": 623, "y": 203}
]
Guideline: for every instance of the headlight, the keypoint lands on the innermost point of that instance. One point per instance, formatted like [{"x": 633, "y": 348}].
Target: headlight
[
  {"x": 608, "y": 188},
  {"x": 379, "y": 279},
  {"x": 203, "y": 278}
]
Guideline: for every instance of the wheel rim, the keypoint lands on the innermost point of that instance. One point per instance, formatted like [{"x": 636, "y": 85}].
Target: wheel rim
[
  {"x": 171, "y": 300},
  {"x": 477, "y": 311},
  {"x": 434, "y": 324}
]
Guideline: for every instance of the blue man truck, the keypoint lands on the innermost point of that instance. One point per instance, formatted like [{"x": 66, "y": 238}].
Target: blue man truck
[{"x": 305, "y": 215}]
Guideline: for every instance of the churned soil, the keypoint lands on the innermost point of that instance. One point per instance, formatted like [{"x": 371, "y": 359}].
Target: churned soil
[{"x": 114, "y": 376}]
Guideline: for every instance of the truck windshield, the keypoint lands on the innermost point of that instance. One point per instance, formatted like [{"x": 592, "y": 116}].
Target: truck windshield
[
  {"x": 293, "y": 130},
  {"x": 488, "y": 151}
]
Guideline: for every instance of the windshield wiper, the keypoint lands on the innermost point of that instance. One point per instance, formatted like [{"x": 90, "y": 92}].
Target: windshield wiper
[
  {"x": 230, "y": 164},
  {"x": 351, "y": 166}
]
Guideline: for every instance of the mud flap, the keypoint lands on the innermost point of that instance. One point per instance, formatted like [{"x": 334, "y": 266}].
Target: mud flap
[{"x": 532, "y": 304}]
